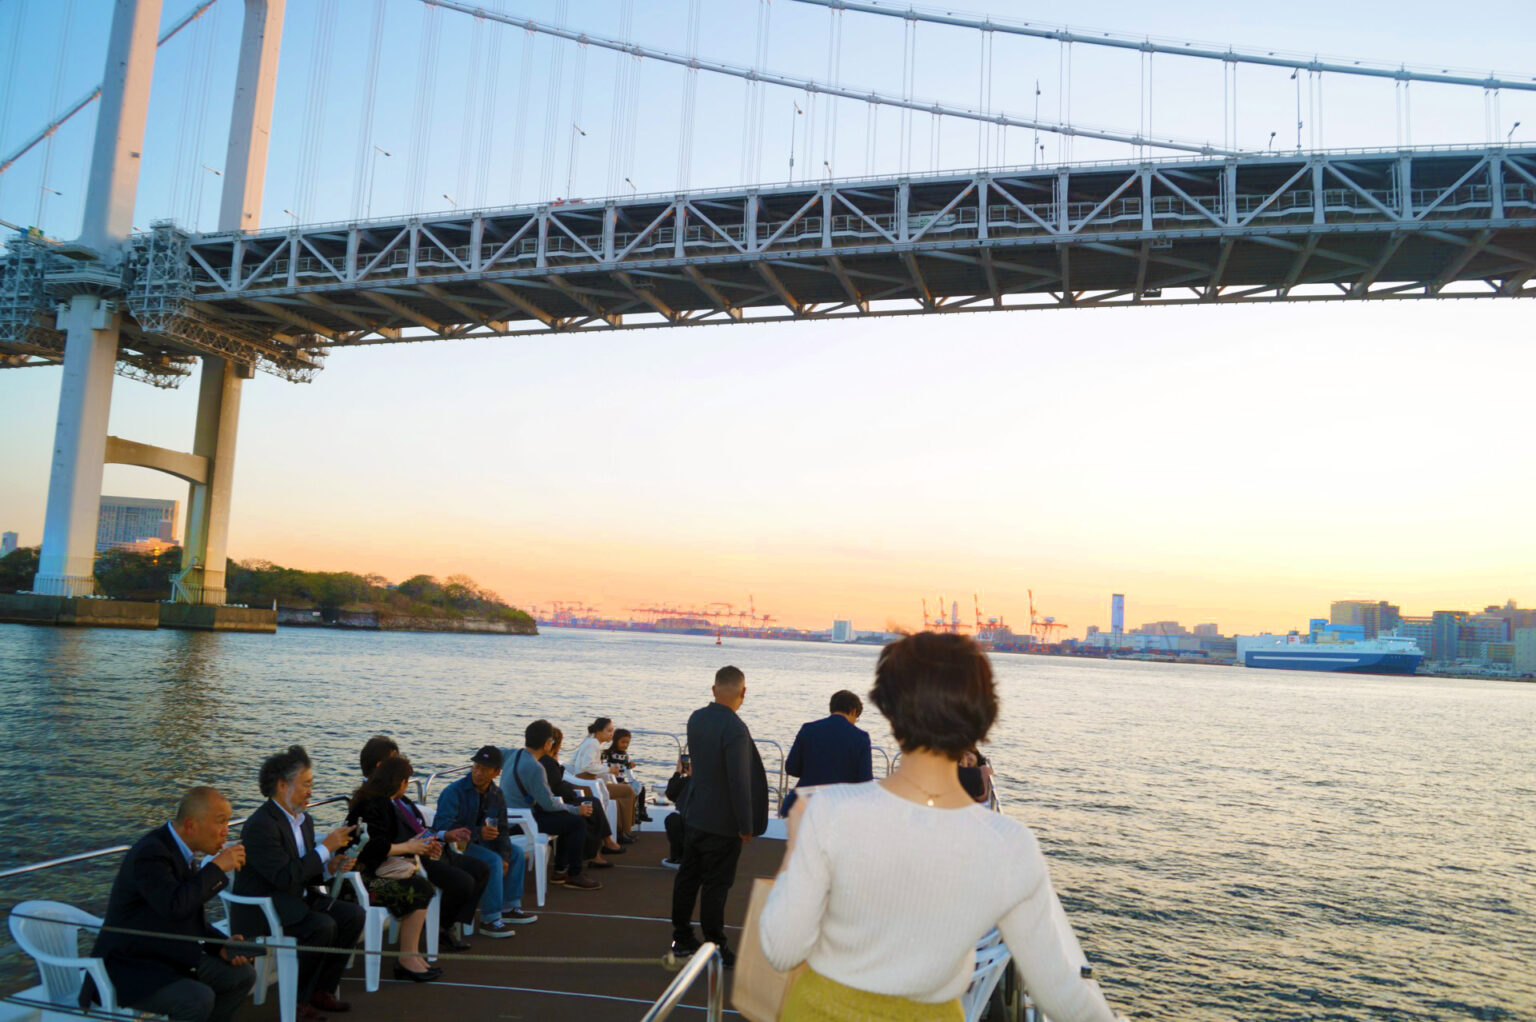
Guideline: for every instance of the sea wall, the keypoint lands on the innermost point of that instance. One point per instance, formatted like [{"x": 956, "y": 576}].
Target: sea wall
[
  {"x": 364, "y": 619},
  {"x": 84, "y": 611}
]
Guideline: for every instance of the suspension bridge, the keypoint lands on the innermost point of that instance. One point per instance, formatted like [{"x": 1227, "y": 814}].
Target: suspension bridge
[{"x": 1169, "y": 221}]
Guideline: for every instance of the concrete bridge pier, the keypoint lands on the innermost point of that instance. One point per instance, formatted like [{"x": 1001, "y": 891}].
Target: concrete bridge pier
[{"x": 203, "y": 557}]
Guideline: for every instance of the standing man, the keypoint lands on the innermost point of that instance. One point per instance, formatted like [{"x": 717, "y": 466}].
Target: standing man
[
  {"x": 472, "y": 803},
  {"x": 285, "y": 863},
  {"x": 727, "y": 807},
  {"x": 158, "y": 889},
  {"x": 831, "y": 750}
]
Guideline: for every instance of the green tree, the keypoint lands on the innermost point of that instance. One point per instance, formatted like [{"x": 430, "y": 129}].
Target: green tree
[{"x": 18, "y": 568}]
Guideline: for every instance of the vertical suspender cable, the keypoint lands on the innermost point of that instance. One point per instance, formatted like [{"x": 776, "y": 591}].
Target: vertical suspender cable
[
  {"x": 361, "y": 169},
  {"x": 470, "y": 120},
  {"x": 205, "y": 35},
  {"x": 494, "y": 45},
  {"x": 552, "y": 107},
  {"x": 764, "y": 38},
  {"x": 619, "y": 103},
  {"x": 690, "y": 100},
  {"x": 53, "y": 104},
  {"x": 835, "y": 76},
  {"x": 578, "y": 92},
  {"x": 179, "y": 175},
  {"x": 422, "y": 112},
  {"x": 520, "y": 117},
  {"x": 314, "y": 127},
  {"x": 981, "y": 104},
  {"x": 17, "y": 9}
]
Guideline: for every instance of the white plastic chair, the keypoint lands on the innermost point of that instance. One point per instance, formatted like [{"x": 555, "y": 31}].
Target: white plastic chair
[
  {"x": 379, "y": 921},
  {"x": 535, "y": 849},
  {"x": 49, "y": 931},
  {"x": 599, "y": 790},
  {"x": 428, "y": 816},
  {"x": 991, "y": 961},
  {"x": 279, "y": 947}
]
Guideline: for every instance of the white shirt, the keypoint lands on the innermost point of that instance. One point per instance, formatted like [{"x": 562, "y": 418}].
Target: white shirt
[
  {"x": 297, "y": 823},
  {"x": 889, "y": 896},
  {"x": 588, "y": 758}
]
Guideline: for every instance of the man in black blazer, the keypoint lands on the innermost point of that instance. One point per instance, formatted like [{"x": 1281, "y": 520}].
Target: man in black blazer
[
  {"x": 831, "y": 750},
  {"x": 157, "y": 888},
  {"x": 727, "y": 807},
  {"x": 283, "y": 862}
]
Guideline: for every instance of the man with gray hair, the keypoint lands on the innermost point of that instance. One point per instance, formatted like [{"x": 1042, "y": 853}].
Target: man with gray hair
[
  {"x": 160, "y": 888},
  {"x": 727, "y": 807},
  {"x": 286, "y": 864}
]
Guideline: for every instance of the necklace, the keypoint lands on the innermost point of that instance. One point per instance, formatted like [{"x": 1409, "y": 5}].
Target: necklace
[{"x": 914, "y": 785}]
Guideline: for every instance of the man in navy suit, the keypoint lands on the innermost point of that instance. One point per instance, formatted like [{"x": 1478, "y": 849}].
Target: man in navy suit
[
  {"x": 830, "y": 750},
  {"x": 286, "y": 864},
  {"x": 159, "y": 889}
]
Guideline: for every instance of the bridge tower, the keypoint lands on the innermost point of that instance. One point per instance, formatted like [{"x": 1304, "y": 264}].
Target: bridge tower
[{"x": 92, "y": 318}]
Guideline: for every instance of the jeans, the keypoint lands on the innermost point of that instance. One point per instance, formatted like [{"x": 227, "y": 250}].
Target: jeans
[
  {"x": 709, "y": 861},
  {"x": 503, "y": 891},
  {"x": 212, "y": 997}
]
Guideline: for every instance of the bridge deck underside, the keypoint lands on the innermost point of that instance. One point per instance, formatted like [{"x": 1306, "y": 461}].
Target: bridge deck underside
[{"x": 1459, "y": 223}]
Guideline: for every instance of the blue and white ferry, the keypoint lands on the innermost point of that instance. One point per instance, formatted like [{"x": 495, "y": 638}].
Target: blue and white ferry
[{"x": 1386, "y": 654}]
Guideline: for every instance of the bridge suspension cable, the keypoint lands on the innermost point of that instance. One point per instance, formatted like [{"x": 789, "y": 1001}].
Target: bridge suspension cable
[
  {"x": 827, "y": 89},
  {"x": 1109, "y": 39},
  {"x": 95, "y": 94}
]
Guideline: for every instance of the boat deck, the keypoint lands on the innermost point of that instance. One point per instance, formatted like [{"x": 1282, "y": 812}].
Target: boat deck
[{"x": 628, "y": 918}]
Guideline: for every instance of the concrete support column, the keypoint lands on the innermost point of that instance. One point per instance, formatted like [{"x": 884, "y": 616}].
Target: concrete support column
[
  {"x": 68, "y": 559},
  {"x": 218, "y": 420}
]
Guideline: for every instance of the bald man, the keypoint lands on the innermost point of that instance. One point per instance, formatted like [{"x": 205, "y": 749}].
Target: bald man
[{"x": 160, "y": 888}]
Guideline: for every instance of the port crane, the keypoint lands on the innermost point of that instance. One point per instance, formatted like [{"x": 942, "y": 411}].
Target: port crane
[{"x": 1039, "y": 626}]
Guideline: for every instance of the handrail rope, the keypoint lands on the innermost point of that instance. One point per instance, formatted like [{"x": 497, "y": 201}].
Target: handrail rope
[
  {"x": 95, "y": 94},
  {"x": 248, "y": 943},
  {"x": 1063, "y": 34},
  {"x": 909, "y": 105}
]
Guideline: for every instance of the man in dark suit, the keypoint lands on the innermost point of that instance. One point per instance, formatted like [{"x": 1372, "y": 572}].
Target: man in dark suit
[
  {"x": 727, "y": 807},
  {"x": 283, "y": 862},
  {"x": 831, "y": 750},
  {"x": 158, "y": 889}
]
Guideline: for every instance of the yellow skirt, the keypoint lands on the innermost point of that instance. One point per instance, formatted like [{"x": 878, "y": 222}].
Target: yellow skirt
[{"x": 815, "y": 998}]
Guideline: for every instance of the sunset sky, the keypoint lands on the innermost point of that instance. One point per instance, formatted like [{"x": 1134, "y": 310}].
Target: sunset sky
[{"x": 1237, "y": 465}]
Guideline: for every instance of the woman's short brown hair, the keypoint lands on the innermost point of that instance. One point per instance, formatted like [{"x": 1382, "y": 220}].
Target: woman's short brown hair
[{"x": 937, "y": 692}]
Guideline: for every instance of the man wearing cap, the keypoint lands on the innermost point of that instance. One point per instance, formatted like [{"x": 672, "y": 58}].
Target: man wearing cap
[{"x": 470, "y": 802}]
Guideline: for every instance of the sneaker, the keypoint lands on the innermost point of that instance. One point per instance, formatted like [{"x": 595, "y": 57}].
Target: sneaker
[
  {"x": 518, "y": 916},
  {"x": 684, "y": 947},
  {"x": 672, "y": 863},
  {"x": 583, "y": 882},
  {"x": 497, "y": 930}
]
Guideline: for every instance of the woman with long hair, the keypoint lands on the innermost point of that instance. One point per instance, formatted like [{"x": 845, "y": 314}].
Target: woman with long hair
[
  {"x": 587, "y": 763},
  {"x": 887, "y": 886}
]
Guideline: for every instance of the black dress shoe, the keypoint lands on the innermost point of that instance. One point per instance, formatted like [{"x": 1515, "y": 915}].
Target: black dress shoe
[
  {"x": 452, "y": 941},
  {"x": 401, "y": 972},
  {"x": 325, "y": 1001}
]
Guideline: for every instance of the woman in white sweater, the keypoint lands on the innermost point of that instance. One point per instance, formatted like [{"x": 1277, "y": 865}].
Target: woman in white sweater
[
  {"x": 888, "y": 885},
  {"x": 587, "y": 763}
]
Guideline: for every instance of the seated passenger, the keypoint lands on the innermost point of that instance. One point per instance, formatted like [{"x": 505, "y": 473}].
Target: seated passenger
[
  {"x": 617, "y": 755},
  {"x": 389, "y": 858},
  {"x": 284, "y": 862},
  {"x": 677, "y": 793},
  {"x": 831, "y": 750},
  {"x": 160, "y": 889},
  {"x": 474, "y": 802},
  {"x": 587, "y": 763},
  {"x": 599, "y": 838},
  {"x": 525, "y": 786},
  {"x": 976, "y": 775},
  {"x": 462, "y": 879}
]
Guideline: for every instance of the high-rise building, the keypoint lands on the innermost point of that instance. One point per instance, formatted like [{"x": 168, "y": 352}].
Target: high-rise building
[
  {"x": 1485, "y": 628},
  {"x": 1209, "y": 631},
  {"x": 1525, "y": 651},
  {"x": 1117, "y": 614},
  {"x": 1375, "y": 616},
  {"x": 127, "y": 520},
  {"x": 842, "y": 631},
  {"x": 8, "y": 543},
  {"x": 1445, "y": 633},
  {"x": 1162, "y": 628},
  {"x": 1420, "y": 629}
]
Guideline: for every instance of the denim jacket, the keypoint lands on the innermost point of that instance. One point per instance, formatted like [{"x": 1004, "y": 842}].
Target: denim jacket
[{"x": 459, "y": 806}]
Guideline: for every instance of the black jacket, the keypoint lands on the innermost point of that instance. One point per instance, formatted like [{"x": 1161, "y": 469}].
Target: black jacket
[
  {"x": 831, "y": 750},
  {"x": 729, "y": 791},
  {"x": 274, "y": 869},
  {"x": 155, "y": 890}
]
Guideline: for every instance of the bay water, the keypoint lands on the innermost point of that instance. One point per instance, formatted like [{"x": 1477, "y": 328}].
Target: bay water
[{"x": 1229, "y": 844}]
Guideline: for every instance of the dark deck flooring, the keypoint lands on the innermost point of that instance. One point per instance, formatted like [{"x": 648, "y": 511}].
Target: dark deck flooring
[{"x": 628, "y": 918}]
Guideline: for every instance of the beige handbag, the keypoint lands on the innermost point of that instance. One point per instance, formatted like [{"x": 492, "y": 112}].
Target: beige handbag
[
  {"x": 397, "y": 867},
  {"x": 758, "y": 990}
]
